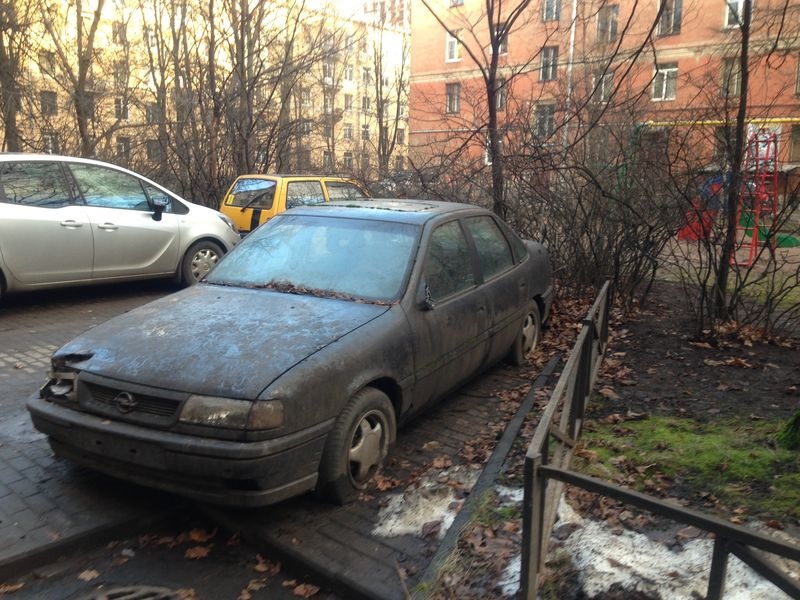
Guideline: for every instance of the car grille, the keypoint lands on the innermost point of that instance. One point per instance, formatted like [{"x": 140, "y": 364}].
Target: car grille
[{"x": 152, "y": 405}]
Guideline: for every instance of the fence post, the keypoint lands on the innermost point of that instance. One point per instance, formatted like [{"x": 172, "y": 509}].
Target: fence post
[
  {"x": 532, "y": 524},
  {"x": 719, "y": 568}
]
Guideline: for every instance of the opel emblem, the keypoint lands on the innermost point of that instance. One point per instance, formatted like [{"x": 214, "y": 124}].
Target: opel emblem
[{"x": 125, "y": 402}]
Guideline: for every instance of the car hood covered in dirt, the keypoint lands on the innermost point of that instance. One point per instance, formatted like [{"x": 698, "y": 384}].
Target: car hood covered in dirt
[{"x": 217, "y": 341}]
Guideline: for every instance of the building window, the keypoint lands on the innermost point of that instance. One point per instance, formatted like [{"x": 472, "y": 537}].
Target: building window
[
  {"x": 150, "y": 36},
  {"x": 366, "y": 75},
  {"x": 49, "y": 103},
  {"x": 501, "y": 93},
  {"x": 731, "y": 78},
  {"x": 121, "y": 74},
  {"x": 665, "y": 82},
  {"x": 456, "y": 3},
  {"x": 305, "y": 98},
  {"x": 607, "y": 23},
  {"x": 453, "y": 91},
  {"x": 328, "y": 131},
  {"x": 154, "y": 153},
  {"x": 153, "y": 113},
  {"x": 47, "y": 61},
  {"x": 365, "y": 103},
  {"x": 348, "y": 101},
  {"x": 551, "y": 10},
  {"x": 401, "y": 135},
  {"x": 124, "y": 148},
  {"x": 365, "y": 133},
  {"x": 347, "y": 131},
  {"x": 670, "y": 21},
  {"x": 327, "y": 103},
  {"x": 327, "y": 161},
  {"x": 488, "y": 157},
  {"x": 348, "y": 72},
  {"x": 794, "y": 145},
  {"x": 399, "y": 163},
  {"x": 120, "y": 108},
  {"x": 327, "y": 70},
  {"x": 305, "y": 127},
  {"x": 348, "y": 161},
  {"x": 50, "y": 143},
  {"x": 548, "y": 68},
  {"x": 453, "y": 48},
  {"x": 502, "y": 33},
  {"x": 545, "y": 120},
  {"x": 602, "y": 84},
  {"x": 733, "y": 12},
  {"x": 364, "y": 163},
  {"x": 119, "y": 33}
]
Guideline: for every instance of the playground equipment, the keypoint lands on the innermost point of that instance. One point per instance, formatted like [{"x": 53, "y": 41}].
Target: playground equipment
[{"x": 758, "y": 198}]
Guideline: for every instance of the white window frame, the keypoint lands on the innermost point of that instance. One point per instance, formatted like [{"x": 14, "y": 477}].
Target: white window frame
[
  {"x": 551, "y": 10},
  {"x": 661, "y": 80},
  {"x": 670, "y": 21},
  {"x": 731, "y": 78},
  {"x": 607, "y": 23},
  {"x": 602, "y": 84},
  {"x": 735, "y": 9},
  {"x": 452, "y": 48},
  {"x": 544, "y": 113},
  {"x": 548, "y": 68}
]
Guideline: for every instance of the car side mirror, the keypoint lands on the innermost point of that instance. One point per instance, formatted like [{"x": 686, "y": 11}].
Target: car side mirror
[
  {"x": 159, "y": 204},
  {"x": 424, "y": 299}
]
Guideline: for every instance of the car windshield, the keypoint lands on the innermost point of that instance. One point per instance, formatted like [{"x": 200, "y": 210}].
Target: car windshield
[{"x": 338, "y": 257}]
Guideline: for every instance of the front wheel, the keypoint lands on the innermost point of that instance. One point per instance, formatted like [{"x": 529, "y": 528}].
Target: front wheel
[
  {"x": 527, "y": 337},
  {"x": 357, "y": 445},
  {"x": 198, "y": 261}
]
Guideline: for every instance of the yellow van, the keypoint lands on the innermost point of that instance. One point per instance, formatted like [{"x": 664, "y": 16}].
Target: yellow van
[{"x": 254, "y": 199}]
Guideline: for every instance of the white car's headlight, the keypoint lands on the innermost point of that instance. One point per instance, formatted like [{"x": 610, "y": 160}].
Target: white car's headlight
[
  {"x": 235, "y": 414},
  {"x": 228, "y": 222}
]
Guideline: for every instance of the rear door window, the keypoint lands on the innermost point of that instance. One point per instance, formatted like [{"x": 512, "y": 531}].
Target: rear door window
[
  {"x": 494, "y": 253},
  {"x": 39, "y": 184},
  {"x": 109, "y": 188},
  {"x": 341, "y": 190},
  {"x": 303, "y": 192},
  {"x": 448, "y": 264},
  {"x": 253, "y": 193}
]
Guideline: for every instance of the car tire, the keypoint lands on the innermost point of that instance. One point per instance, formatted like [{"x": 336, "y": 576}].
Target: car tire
[
  {"x": 528, "y": 336},
  {"x": 357, "y": 445},
  {"x": 198, "y": 260}
]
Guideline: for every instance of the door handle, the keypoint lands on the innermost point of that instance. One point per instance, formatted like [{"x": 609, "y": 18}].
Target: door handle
[
  {"x": 108, "y": 227},
  {"x": 71, "y": 223}
]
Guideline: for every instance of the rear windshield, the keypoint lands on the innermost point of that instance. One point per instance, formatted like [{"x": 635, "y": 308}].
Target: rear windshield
[{"x": 325, "y": 256}]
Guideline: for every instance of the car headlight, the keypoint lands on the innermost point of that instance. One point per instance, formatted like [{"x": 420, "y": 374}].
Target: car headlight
[
  {"x": 228, "y": 222},
  {"x": 230, "y": 413}
]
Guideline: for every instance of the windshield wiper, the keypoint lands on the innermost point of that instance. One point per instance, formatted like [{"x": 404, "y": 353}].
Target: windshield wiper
[{"x": 255, "y": 199}]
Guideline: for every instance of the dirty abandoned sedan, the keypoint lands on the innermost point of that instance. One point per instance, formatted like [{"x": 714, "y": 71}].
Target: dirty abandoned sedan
[{"x": 291, "y": 366}]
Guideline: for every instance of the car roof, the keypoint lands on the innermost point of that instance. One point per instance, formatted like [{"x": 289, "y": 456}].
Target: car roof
[
  {"x": 386, "y": 209},
  {"x": 294, "y": 176}
]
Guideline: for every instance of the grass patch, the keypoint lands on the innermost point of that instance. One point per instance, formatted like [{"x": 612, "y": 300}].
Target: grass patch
[{"x": 736, "y": 461}]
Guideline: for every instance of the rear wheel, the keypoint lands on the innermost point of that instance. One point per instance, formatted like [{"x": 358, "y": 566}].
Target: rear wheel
[
  {"x": 527, "y": 337},
  {"x": 199, "y": 260},
  {"x": 357, "y": 445}
]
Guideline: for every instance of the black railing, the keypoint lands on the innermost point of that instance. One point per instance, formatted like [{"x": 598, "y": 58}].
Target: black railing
[{"x": 547, "y": 469}]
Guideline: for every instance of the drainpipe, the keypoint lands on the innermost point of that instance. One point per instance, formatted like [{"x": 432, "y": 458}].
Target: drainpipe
[{"x": 570, "y": 59}]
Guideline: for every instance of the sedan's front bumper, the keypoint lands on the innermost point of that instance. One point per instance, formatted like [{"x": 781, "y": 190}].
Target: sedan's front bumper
[{"x": 224, "y": 472}]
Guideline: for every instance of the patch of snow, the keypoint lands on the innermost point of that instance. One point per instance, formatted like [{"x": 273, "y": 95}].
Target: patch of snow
[
  {"x": 429, "y": 500},
  {"x": 602, "y": 558},
  {"x": 508, "y": 495}
]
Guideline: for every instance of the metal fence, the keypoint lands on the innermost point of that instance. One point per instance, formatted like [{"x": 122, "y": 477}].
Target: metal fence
[{"x": 548, "y": 461}]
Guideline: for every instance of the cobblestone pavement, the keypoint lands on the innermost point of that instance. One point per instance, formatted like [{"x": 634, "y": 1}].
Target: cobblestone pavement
[{"x": 45, "y": 502}]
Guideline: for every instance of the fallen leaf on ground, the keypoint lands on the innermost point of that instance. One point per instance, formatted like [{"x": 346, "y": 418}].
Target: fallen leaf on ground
[
  {"x": 196, "y": 552},
  {"x": 267, "y": 567},
  {"x": 607, "y": 392},
  {"x": 305, "y": 590},
  {"x": 442, "y": 462},
  {"x": 201, "y": 535},
  {"x": 88, "y": 575},
  {"x": 10, "y": 588},
  {"x": 774, "y": 524}
]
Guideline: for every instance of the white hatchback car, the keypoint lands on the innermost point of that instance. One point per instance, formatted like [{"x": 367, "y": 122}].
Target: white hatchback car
[{"x": 73, "y": 221}]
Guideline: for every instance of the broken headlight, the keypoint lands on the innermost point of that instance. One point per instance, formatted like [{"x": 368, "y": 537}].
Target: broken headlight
[
  {"x": 236, "y": 414},
  {"x": 60, "y": 386}
]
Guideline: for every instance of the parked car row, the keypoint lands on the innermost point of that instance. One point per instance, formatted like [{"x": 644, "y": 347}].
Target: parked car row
[{"x": 290, "y": 364}]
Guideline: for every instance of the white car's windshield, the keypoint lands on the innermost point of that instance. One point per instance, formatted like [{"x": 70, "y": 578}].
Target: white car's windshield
[{"x": 327, "y": 256}]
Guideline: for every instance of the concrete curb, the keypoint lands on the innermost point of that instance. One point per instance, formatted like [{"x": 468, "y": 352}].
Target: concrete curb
[
  {"x": 24, "y": 562},
  {"x": 485, "y": 481}
]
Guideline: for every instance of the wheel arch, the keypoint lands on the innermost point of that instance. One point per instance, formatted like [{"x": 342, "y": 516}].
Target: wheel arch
[{"x": 390, "y": 387}]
